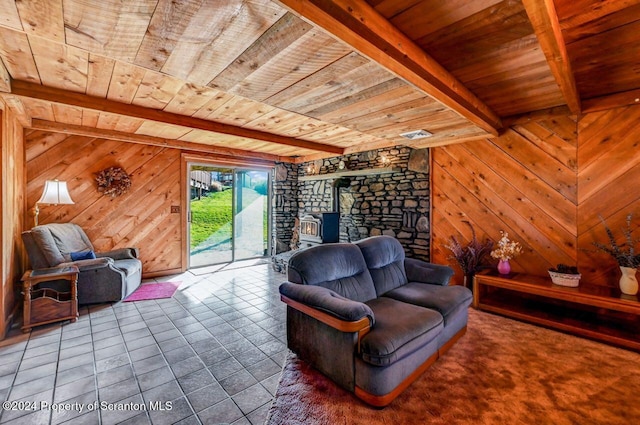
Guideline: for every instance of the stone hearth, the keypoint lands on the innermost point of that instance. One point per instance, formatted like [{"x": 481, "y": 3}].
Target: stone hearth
[{"x": 394, "y": 203}]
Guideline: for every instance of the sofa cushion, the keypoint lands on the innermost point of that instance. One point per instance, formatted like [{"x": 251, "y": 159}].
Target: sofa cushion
[
  {"x": 339, "y": 267},
  {"x": 400, "y": 329},
  {"x": 421, "y": 271},
  {"x": 444, "y": 299},
  {"x": 384, "y": 256}
]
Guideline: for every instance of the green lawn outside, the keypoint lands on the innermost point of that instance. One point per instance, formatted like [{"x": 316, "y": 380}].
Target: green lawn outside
[{"x": 214, "y": 211}]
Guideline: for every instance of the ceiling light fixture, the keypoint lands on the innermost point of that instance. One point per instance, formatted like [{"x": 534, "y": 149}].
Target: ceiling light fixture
[{"x": 416, "y": 134}]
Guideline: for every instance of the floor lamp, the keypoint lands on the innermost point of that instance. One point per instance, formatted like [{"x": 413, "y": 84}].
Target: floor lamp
[{"x": 55, "y": 193}]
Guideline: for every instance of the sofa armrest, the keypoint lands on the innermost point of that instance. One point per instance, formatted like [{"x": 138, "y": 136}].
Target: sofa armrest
[
  {"x": 92, "y": 264},
  {"x": 120, "y": 254},
  {"x": 421, "y": 271},
  {"x": 327, "y": 306}
]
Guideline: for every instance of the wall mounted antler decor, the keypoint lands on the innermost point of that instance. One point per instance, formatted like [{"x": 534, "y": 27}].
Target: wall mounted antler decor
[{"x": 113, "y": 181}]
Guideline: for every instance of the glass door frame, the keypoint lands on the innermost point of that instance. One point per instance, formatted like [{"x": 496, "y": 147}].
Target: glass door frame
[{"x": 235, "y": 169}]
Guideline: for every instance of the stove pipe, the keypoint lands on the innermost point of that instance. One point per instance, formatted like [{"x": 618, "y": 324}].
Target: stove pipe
[{"x": 337, "y": 184}]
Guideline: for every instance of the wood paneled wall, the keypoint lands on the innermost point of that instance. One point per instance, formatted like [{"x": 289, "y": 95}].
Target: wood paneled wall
[
  {"x": 142, "y": 217},
  {"x": 545, "y": 183},
  {"x": 609, "y": 183},
  {"x": 12, "y": 206}
]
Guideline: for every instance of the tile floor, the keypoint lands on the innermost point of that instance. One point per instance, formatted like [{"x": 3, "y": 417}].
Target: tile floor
[{"x": 214, "y": 351}]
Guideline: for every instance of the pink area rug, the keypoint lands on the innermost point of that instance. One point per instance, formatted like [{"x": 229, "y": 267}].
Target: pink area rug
[{"x": 153, "y": 291}]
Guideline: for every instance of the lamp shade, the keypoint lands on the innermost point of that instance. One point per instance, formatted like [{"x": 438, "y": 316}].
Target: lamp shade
[{"x": 55, "y": 192}]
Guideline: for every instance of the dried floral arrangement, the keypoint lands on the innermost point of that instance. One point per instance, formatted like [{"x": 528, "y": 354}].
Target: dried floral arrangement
[
  {"x": 470, "y": 256},
  {"x": 113, "y": 181},
  {"x": 565, "y": 269},
  {"x": 624, "y": 253},
  {"x": 506, "y": 249}
]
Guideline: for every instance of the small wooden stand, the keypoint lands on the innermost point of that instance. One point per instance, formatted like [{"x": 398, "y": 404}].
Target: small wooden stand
[
  {"x": 46, "y": 305},
  {"x": 596, "y": 312}
]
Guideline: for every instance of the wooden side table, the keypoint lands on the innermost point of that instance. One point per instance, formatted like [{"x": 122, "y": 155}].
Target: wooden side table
[{"x": 46, "y": 305}]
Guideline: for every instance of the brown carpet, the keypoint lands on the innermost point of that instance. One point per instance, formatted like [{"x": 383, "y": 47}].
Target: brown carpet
[{"x": 501, "y": 372}]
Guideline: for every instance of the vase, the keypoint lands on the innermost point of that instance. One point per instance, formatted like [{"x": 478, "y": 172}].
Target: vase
[
  {"x": 468, "y": 281},
  {"x": 628, "y": 281},
  {"x": 504, "y": 267}
]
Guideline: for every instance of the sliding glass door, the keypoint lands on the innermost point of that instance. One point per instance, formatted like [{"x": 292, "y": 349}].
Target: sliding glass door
[
  {"x": 228, "y": 214},
  {"x": 251, "y": 211}
]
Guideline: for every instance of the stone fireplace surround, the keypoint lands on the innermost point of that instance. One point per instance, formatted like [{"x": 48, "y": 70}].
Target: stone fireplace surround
[{"x": 394, "y": 203}]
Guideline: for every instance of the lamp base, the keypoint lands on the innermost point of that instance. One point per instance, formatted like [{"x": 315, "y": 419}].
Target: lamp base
[{"x": 35, "y": 212}]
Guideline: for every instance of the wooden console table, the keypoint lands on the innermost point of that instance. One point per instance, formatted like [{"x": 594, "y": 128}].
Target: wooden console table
[
  {"x": 46, "y": 305},
  {"x": 596, "y": 312}
]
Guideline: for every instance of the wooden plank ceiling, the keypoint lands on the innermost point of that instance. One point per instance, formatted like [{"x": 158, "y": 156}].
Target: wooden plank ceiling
[{"x": 293, "y": 80}]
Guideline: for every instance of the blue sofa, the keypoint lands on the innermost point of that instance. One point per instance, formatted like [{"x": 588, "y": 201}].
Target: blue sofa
[{"x": 368, "y": 318}]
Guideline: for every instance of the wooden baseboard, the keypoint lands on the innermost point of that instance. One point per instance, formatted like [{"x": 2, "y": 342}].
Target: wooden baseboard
[
  {"x": 384, "y": 400},
  {"x": 9, "y": 320},
  {"x": 150, "y": 275}
]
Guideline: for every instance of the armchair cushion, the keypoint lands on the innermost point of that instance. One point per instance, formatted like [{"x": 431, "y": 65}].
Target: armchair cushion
[
  {"x": 400, "y": 330},
  {"x": 82, "y": 255},
  {"x": 129, "y": 266},
  {"x": 89, "y": 264},
  {"x": 42, "y": 248},
  {"x": 120, "y": 254},
  {"x": 328, "y": 301},
  {"x": 67, "y": 238}
]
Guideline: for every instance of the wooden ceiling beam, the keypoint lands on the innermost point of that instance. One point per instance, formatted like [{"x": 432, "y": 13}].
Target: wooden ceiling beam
[
  {"x": 54, "y": 127},
  {"x": 312, "y": 157},
  {"x": 631, "y": 97},
  {"x": 544, "y": 114},
  {"x": 5, "y": 78},
  {"x": 544, "y": 19},
  {"x": 360, "y": 26},
  {"x": 16, "y": 105},
  {"x": 55, "y": 95}
]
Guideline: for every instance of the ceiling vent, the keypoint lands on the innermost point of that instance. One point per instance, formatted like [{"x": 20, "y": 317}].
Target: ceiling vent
[{"x": 416, "y": 134}]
